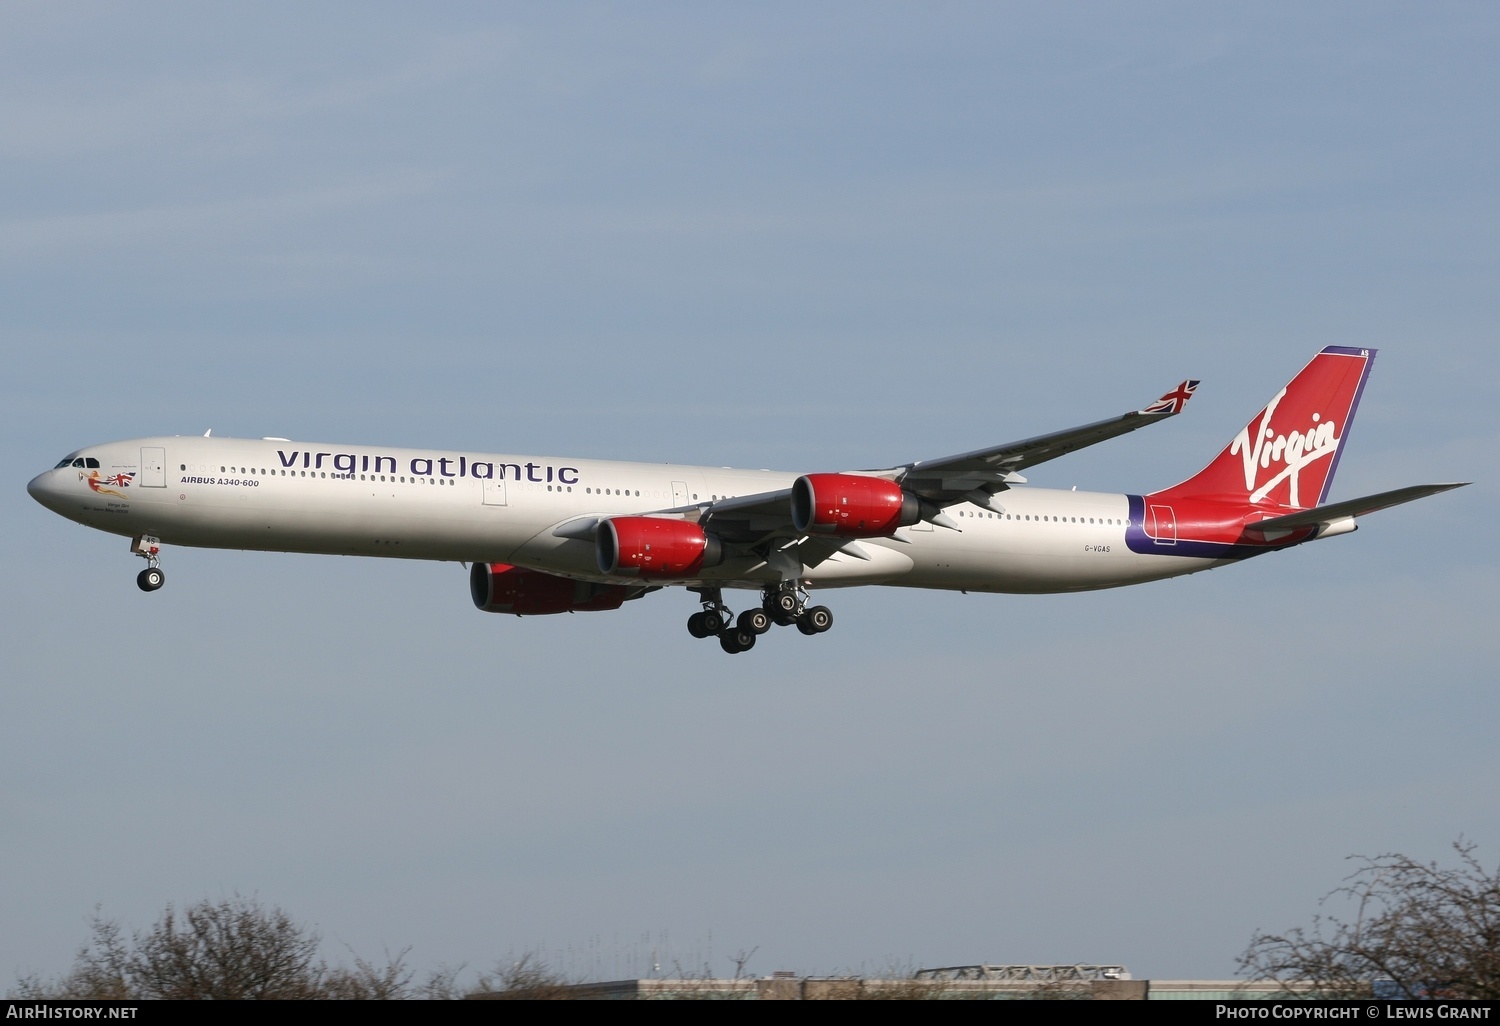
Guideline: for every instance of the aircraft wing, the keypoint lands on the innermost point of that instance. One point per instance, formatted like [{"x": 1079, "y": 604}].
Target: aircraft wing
[
  {"x": 1351, "y": 507},
  {"x": 974, "y": 476},
  {"x": 750, "y": 517},
  {"x": 978, "y": 475}
]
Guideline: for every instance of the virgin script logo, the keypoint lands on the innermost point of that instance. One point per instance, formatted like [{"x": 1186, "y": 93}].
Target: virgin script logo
[{"x": 1291, "y": 452}]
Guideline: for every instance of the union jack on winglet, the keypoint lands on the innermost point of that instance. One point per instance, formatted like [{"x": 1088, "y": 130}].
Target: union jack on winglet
[{"x": 1175, "y": 400}]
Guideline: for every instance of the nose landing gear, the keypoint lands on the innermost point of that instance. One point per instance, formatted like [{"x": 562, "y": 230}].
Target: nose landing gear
[{"x": 148, "y": 548}]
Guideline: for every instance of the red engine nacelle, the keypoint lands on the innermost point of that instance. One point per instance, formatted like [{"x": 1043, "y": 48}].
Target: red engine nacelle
[
  {"x": 851, "y": 506},
  {"x": 502, "y": 588},
  {"x": 655, "y": 547}
]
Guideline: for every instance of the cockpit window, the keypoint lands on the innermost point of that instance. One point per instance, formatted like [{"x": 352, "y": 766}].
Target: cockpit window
[
  {"x": 65, "y": 461},
  {"x": 81, "y": 462},
  {"x": 89, "y": 461}
]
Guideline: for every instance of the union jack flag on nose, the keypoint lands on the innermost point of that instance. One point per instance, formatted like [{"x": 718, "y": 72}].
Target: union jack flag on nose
[{"x": 1175, "y": 400}]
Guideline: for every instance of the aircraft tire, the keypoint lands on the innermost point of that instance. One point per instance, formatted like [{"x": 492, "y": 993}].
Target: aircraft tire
[
  {"x": 713, "y": 622},
  {"x": 818, "y": 619},
  {"x": 150, "y": 579},
  {"x": 696, "y": 627},
  {"x": 784, "y": 603},
  {"x": 735, "y": 641},
  {"x": 754, "y": 621}
]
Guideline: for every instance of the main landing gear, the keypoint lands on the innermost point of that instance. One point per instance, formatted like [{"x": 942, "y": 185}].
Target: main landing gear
[
  {"x": 149, "y": 549},
  {"x": 784, "y": 606}
]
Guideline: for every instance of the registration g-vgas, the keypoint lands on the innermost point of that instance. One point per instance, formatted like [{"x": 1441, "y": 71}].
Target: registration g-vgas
[{"x": 548, "y": 534}]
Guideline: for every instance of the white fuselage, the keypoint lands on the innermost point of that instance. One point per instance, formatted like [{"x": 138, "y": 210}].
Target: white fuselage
[{"x": 277, "y": 495}]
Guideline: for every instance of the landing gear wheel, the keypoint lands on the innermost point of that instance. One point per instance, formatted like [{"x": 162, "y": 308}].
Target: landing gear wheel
[
  {"x": 754, "y": 621},
  {"x": 783, "y": 604},
  {"x": 150, "y": 579},
  {"x": 735, "y": 641},
  {"x": 696, "y": 626},
  {"x": 816, "y": 620},
  {"x": 713, "y": 622}
]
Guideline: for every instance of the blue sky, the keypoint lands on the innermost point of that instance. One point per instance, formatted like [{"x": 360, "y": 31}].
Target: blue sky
[{"x": 806, "y": 238}]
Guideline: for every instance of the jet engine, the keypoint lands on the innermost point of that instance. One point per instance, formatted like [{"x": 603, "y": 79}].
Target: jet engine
[
  {"x": 654, "y": 547},
  {"x": 851, "y": 506},
  {"x": 502, "y": 588}
]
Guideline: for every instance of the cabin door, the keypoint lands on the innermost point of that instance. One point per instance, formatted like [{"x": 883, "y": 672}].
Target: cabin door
[{"x": 153, "y": 467}]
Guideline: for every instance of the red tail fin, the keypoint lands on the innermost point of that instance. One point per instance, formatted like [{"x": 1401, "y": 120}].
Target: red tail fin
[{"x": 1286, "y": 456}]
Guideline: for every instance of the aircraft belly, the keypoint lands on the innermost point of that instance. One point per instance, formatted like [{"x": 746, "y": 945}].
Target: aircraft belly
[
  {"x": 884, "y": 563},
  {"x": 343, "y": 525},
  {"x": 1019, "y": 563}
]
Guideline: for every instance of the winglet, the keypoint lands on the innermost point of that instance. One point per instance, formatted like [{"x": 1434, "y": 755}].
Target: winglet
[{"x": 1175, "y": 400}]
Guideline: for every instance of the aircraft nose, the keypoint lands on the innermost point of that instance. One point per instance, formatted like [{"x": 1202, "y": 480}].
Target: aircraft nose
[{"x": 43, "y": 488}]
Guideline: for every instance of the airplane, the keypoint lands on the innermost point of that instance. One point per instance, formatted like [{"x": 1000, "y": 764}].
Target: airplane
[{"x": 547, "y": 535}]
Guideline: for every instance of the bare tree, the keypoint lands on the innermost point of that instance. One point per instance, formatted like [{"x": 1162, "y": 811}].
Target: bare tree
[
  {"x": 368, "y": 981},
  {"x": 528, "y": 978},
  {"x": 740, "y": 959},
  {"x": 228, "y": 950},
  {"x": 101, "y": 970},
  {"x": 1430, "y": 930},
  {"x": 233, "y": 949}
]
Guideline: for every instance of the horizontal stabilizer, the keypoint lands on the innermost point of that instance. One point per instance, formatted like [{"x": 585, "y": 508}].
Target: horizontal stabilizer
[{"x": 1351, "y": 507}]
